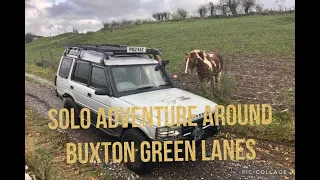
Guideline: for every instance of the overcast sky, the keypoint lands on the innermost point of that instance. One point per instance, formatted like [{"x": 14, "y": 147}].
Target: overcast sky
[{"x": 58, "y": 16}]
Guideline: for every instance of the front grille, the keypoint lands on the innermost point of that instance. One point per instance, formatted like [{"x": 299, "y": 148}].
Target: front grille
[{"x": 189, "y": 129}]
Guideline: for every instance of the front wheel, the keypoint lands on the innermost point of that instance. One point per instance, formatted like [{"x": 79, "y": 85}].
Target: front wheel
[{"x": 136, "y": 136}]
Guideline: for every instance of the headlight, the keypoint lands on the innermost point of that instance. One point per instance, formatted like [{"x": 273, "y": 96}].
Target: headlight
[{"x": 168, "y": 132}]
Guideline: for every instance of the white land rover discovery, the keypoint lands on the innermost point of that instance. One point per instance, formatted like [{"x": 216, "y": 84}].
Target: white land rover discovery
[{"x": 95, "y": 76}]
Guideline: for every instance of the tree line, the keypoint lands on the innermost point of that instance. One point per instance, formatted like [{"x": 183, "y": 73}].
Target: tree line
[
  {"x": 29, "y": 37},
  {"x": 221, "y": 9}
]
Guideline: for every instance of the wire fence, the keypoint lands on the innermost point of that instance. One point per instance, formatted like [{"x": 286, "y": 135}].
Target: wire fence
[{"x": 45, "y": 60}]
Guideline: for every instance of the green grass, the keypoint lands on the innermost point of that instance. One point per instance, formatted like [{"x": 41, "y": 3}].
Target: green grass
[
  {"x": 30, "y": 79},
  {"x": 45, "y": 153},
  {"x": 282, "y": 129},
  {"x": 42, "y": 72},
  {"x": 266, "y": 37}
]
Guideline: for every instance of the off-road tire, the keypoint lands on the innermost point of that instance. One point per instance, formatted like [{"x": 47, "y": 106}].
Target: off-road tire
[
  {"x": 137, "y": 136},
  {"x": 68, "y": 104}
]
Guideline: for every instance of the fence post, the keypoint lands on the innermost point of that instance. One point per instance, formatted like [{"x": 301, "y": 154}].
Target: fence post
[
  {"x": 41, "y": 56},
  {"x": 42, "y": 60},
  {"x": 52, "y": 61}
]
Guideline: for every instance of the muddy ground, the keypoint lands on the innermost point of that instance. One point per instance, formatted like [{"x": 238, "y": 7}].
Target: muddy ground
[
  {"x": 255, "y": 81},
  {"x": 271, "y": 157}
]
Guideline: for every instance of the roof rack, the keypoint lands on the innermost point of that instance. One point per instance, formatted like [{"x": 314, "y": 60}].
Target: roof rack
[{"x": 108, "y": 50}]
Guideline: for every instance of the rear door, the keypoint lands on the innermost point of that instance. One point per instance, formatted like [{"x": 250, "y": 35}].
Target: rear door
[
  {"x": 79, "y": 82},
  {"x": 62, "y": 79}
]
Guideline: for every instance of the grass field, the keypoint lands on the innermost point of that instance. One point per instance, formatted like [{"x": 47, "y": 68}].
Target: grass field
[
  {"x": 268, "y": 37},
  {"x": 259, "y": 53}
]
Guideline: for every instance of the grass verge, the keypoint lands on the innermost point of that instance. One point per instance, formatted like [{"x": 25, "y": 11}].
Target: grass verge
[
  {"x": 46, "y": 73},
  {"x": 46, "y": 156},
  {"x": 282, "y": 129},
  {"x": 30, "y": 79}
]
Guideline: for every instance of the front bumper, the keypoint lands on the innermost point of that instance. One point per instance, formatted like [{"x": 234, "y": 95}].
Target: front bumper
[
  {"x": 200, "y": 133},
  {"x": 197, "y": 133}
]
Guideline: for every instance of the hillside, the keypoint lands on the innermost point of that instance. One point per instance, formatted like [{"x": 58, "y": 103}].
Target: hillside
[
  {"x": 240, "y": 40},
  {"x": 264, "y": 36},
  {"x": 256, "y": 38},
  {"x": 259, "y": 54}
]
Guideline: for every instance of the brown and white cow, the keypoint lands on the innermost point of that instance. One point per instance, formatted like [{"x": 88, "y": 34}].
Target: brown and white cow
[{"x": 209, "y": 65}]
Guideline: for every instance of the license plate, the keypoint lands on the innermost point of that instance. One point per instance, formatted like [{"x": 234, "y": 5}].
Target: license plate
[{"x": 136, "y": 49}]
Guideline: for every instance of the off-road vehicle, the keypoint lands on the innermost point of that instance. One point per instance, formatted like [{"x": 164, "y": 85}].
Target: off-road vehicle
[{"x": 107, "y": 75}]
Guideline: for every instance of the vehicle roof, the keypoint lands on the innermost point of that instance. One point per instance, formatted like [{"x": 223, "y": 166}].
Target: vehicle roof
[
  {"x": 129, "y": 61},
  {"x": 94, "y": 56}
]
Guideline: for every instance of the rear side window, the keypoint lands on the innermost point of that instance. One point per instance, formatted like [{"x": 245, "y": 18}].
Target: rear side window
[
  {"x": 98, "y": 78},
  {"x": 65, "y": 67},
  {"x": 81, "y": 73}
]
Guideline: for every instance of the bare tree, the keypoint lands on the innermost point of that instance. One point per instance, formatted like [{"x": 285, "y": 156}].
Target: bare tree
[
  {"x": 157, "y": 16},
  {"x": 115, "y": 24},
  {"x": 182, "y": 13},
  {"x": 107, "y": 25},
  {"x": 202, "y": 10},
  {"x": 138, "y": 22},
  {"x": 219, "y": 9},
  {"x": 247, "y": 4},
  {"x": 29, "y": 37},
  {"x": 154, "y": 15},
  {"x": 75, "y": 31},
  {"x": 211, "y": 8},
  {"x": 232, "y": 4},
  {"x": 223, "y": 6},
  {"x": 259, "y": 7},
  {"x": 126, "y": 22},
  {"x": 280, "y": 4},
  {"x": 166, "y": 15},
  {"x": 162, "y": 16}
]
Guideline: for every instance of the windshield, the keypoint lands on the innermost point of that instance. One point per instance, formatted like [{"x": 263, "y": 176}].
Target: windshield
[{"x": 132, "y": 78}]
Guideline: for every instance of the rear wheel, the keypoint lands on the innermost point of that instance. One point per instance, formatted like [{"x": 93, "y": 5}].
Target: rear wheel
[
  {"x": 69, "y": 104},
  {"x": 137, "y": 136}
]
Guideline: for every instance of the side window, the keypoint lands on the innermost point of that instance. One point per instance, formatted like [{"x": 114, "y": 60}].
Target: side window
[
  {"x": 65, "y": 67},
  {"x": 98, "y": 77},
  {"x": 81, "y": 73}
]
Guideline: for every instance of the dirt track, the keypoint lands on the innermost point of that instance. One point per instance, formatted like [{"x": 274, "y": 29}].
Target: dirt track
[{"x": 270, "y": 156}]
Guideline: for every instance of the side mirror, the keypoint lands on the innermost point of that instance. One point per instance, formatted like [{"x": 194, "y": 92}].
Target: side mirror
[
  {"x": 163, "y": 65},
  {"x": 102, "y": 91},
  {"x": 165, "y": 62}
]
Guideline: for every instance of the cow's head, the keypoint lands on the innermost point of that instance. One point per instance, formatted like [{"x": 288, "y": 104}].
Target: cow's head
[{"x": 192, "y": 58}]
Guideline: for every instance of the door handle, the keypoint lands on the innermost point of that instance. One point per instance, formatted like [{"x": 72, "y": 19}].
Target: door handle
[
  {"x": 89, "y": 94},
  {"x": 71, "y": 87}
]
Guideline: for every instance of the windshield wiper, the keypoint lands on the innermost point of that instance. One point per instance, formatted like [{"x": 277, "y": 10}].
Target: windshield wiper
[
  {"x": 163, "y": 85},
  {"x": 145, "y": 87}
]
